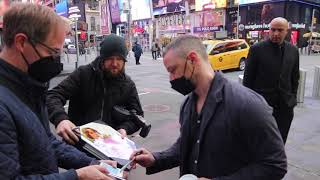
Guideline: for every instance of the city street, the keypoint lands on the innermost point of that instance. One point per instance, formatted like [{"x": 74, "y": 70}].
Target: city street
[{"x": 161, "y": 105}]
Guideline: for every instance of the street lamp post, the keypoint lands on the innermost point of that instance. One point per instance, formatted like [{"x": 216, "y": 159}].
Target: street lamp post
[
  {"x": 74, "y": 17},
  {"x": 238, "y": 21},
  {"x": 311, "y": 31},
  {"x": 129, "y": 24}
]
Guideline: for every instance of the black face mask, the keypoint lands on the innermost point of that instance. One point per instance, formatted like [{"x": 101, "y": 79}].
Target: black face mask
[
  {"x": 44, "y": 68},
  {"x": 183, "y": 85}
]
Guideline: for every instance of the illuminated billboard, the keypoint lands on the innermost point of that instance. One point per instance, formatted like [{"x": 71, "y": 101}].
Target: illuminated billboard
[
  {"x": 169, "y": 6},
  {"x": 140, "y": 9},
  {"x": 251, "y": 1},
  {"x": 210, "y": 4},
  {"x": 62, "y": 8}
]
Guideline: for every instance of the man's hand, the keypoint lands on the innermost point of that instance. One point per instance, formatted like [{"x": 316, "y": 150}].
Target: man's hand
[
  {"x": 114, "y": 164},
  {"x": 110, "y": 162},
  {"x": 142, "y": 157},
  {"x": 64, "y": 129},
  {"x": 93, "y": 173},
  {"x": 123, "y": 133}
]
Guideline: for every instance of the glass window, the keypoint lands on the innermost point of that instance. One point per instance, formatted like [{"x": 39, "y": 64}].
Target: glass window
[
  {"x": 243, "y": 45},
  {"x": 93, "y": 5},
  {"x": 93, "y": 23},
  {"x": 219, "y": 48}
]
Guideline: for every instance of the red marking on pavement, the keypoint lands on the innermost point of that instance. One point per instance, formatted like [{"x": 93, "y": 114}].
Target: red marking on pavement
[{"x": 156, "y": 108}]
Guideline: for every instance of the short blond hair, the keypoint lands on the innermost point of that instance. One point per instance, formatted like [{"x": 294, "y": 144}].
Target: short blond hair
[{"x": 35, "y": 21}]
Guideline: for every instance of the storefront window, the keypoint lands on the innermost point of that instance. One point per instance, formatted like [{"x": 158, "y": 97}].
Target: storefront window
[{"x": 93, "y": 23}]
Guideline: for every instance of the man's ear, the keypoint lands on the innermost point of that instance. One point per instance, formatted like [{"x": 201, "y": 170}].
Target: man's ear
[
  {"x": 20, "y": 40},
  {"x": 193, "y": 57}
]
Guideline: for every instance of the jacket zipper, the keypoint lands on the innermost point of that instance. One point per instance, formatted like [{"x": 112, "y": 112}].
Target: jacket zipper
[{"x": 104, "y": 93}]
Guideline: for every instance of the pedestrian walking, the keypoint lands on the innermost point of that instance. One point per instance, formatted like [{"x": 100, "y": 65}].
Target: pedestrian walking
[
  {"x": 158, "y": 51},
  {"x": 33, "y": 41},
  {"x": 227, "y": 131},
  {"x": 154, "y": 49},
  {"x": 137, "y": 52},
  {"x": 272, "y": 70}
]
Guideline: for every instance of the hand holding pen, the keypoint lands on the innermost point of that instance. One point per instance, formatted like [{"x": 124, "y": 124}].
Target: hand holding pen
[{"x": 142, "y": 157}]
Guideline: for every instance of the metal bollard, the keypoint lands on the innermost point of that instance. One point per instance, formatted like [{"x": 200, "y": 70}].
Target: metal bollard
[
  {"x": 85, "y": 55},
  {"x": 302, "y": 86},
  {"x": 316, "y": 82},
  {"x": 240, "y": 78}
]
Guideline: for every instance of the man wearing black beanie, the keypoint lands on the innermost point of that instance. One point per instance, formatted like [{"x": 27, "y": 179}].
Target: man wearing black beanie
[{"x": 93, "y": 91}]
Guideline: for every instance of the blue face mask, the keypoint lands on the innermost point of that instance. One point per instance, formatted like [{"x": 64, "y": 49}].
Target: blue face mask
[{"x": 183, "y": 85}]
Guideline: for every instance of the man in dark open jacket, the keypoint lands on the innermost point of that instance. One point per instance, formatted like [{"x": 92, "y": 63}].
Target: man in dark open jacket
[
  {"x": 33, "y": 39},
  {"x": 272, "y": 70},
  {"x": 93, "y": 91},
  {"x": 227, "y": 131}
]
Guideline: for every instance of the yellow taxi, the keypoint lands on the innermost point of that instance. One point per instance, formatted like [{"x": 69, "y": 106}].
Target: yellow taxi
[{"x": 227, "y": 54}]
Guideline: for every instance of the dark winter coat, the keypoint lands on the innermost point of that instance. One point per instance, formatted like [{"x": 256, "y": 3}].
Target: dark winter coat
[
  {"x": 273, "y": 73},
  {"x": 137, "y": 50},
  {"x": 92, "y": 98},
  {"x": 28, "y": 150},
  {"x": 238, "y": 139}
]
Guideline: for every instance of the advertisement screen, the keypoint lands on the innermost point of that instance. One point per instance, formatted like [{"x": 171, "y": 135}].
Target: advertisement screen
[
  {"x": 167, "y": 6},
  {"x": 210, "y": 4},
  {"x": 62, "y": 8},
  {"x": 251, "y": 1},
  {"x": 104, "y": 19},
  {"x": 114, "y": 11},
  {"x": 140, "y": 9},
  {"x": 260, "y": 15},
  {"x": 123, "y": 5},
  {"x": 209, "y": 21}
]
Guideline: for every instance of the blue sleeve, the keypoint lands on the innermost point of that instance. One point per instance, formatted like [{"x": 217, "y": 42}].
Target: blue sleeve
[
  {"x": 69, "y": 156},
  {"x": 9, "y": 154}
]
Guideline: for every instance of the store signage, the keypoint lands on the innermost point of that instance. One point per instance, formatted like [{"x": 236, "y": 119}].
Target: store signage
[
  {"x": 298, "y": 26},
  {"x": 254, "y": 26},
  {"x": 206, "y": 29},
  {"x": 172, "y": 20},
  {"x": 241, "y": 27},
  {"x": 267, "y": 26}
]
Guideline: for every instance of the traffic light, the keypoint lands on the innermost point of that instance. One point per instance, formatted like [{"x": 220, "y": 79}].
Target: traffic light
[
  {"x": 83, "y": 36},
  {"x": 91, "y": 38},
  {"x": 122, "y": 29},
  {"x": 314, "y": 20}
]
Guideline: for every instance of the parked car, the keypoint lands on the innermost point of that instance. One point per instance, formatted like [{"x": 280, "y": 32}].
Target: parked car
[{"x": 227, "y": 54}]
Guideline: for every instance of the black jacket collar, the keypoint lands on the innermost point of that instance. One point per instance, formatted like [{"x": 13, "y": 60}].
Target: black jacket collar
[{"x": 20, "y": 82}]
